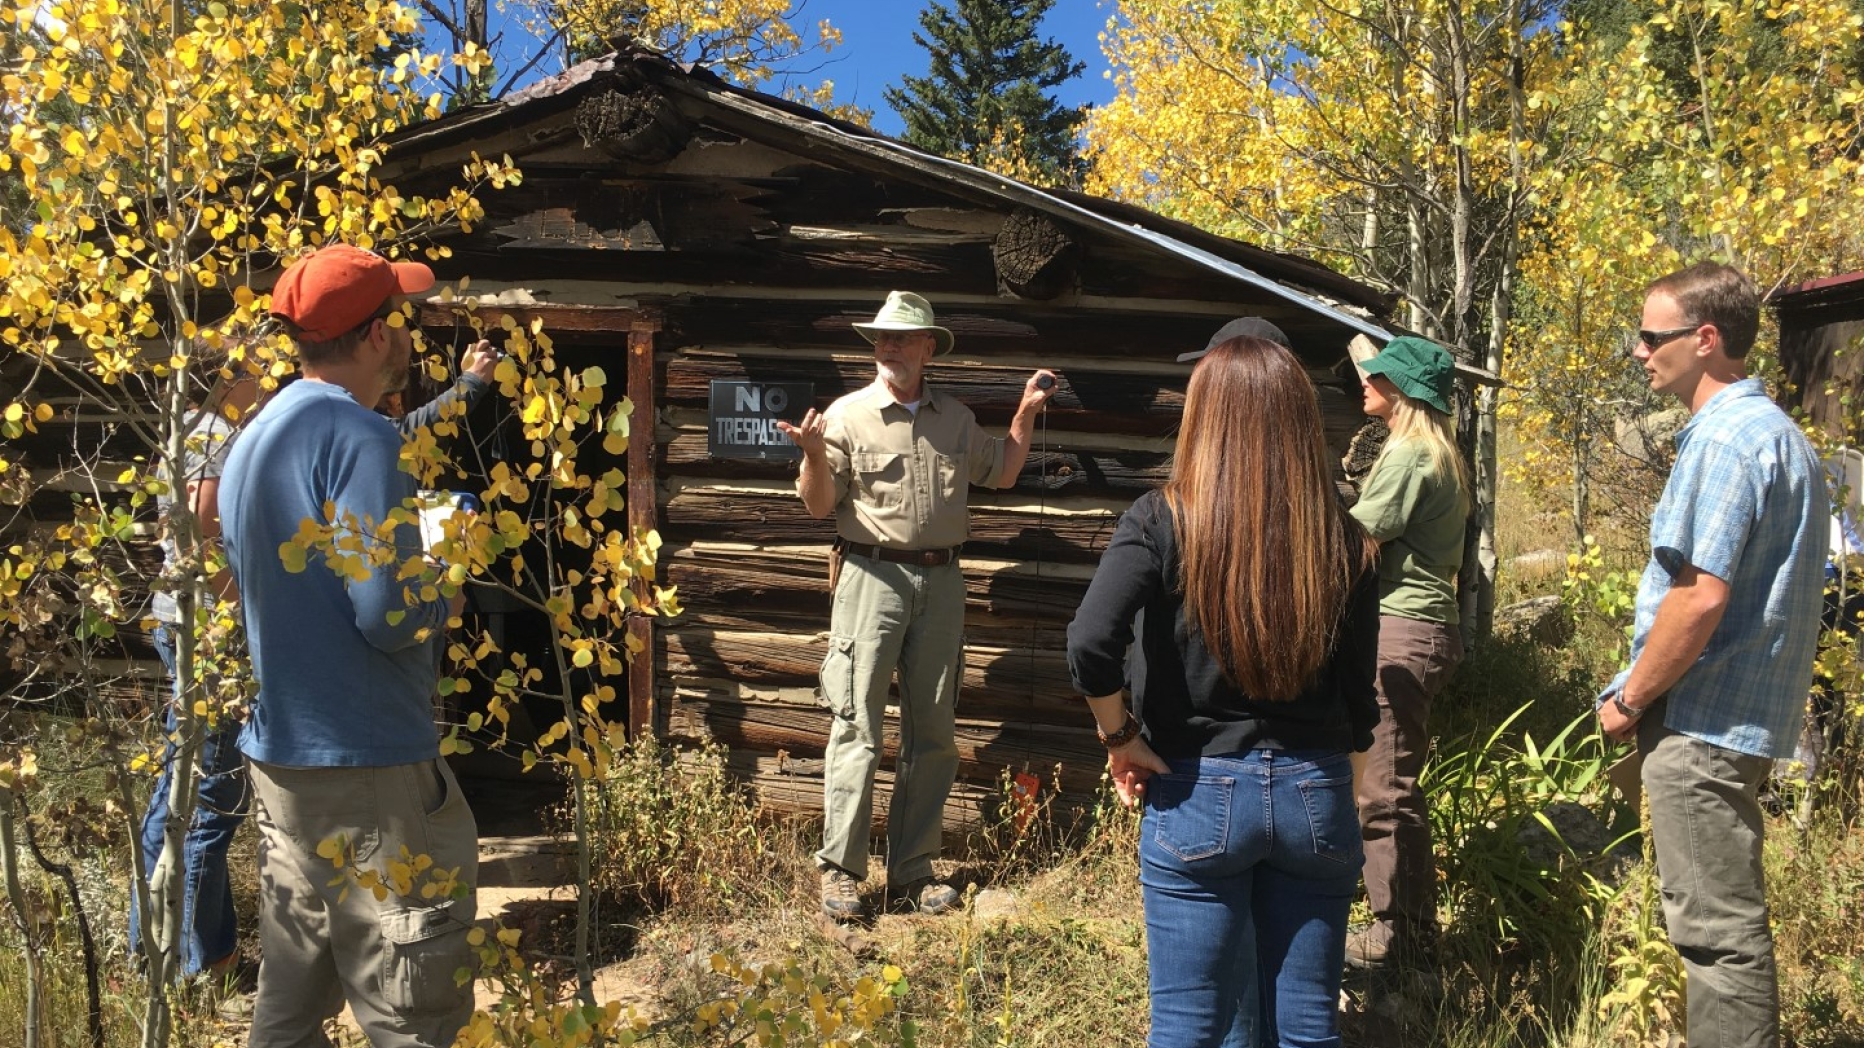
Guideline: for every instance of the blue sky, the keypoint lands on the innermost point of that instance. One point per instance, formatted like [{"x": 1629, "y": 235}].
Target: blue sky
[{"x": 878, "y": 51}]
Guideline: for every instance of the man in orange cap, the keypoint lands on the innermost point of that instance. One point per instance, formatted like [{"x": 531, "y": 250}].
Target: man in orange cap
[{"x": 341, "y": 743}]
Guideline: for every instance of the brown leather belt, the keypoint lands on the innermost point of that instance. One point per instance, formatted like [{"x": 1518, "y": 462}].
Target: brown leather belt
[{"x": 925, "y": 558}]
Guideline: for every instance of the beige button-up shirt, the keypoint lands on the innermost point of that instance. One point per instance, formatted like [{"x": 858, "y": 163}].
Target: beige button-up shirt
[{"x": 902, "y": 479}]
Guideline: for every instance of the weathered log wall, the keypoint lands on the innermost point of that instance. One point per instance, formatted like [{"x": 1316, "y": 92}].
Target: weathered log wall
[
  {"x": 739, "y": 666},
  {"x": 761, "y": 246}
]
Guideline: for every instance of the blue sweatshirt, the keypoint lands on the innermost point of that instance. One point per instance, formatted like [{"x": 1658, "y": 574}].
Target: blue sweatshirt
[{"x": 339, "y": 683}]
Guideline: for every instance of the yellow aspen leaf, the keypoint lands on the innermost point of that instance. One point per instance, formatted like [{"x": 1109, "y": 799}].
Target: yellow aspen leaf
[{"x": 291, "y": 555}]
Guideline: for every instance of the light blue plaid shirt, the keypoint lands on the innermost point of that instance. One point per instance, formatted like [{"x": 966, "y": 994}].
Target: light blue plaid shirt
[{"x": 1746, "y": 503}]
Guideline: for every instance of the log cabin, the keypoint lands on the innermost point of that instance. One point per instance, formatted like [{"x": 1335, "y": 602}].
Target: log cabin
[{"x": 682, "y": 230}]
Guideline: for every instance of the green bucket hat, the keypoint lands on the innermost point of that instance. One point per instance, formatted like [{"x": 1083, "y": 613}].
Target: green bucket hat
[
  {"x": 1422, "y": 370},
  {"x": 905, "y": 311}
]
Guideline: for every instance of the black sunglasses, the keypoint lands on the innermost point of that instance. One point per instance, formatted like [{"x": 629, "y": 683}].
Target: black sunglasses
[{"x": 1653, "y": 339}]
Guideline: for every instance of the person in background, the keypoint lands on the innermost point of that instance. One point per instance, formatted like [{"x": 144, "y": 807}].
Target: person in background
[
  {"x": 341, "y": 743},
  {"x": 1241, "y": 327},
  {"x": 1363, "y": 448},
  {"x": 1723, "y": 643},
  {"x": 209, "y": 928},
  {"x": 476, "y": 368},
  {"x": 894, "y": 463},
  {"x": 1251, "y": 679},
  {"x": 1825, "y": 729},
  {"x": 1415, "y": 503}
]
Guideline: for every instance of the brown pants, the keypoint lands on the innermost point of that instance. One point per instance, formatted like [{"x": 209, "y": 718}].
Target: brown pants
[{"x": 1415, "y": 660}]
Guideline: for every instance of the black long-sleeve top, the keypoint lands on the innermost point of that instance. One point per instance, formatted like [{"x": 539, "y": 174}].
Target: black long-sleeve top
[
  {"x": 1179, "y": 693},
  {"x": 469, "y": 389}
]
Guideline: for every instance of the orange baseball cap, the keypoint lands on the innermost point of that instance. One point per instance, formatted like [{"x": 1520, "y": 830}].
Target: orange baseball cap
[{"x": 331, "y": 291}]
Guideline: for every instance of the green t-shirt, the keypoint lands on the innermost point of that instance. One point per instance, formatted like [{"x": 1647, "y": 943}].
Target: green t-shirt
[{"x": 1417, "y": 515}]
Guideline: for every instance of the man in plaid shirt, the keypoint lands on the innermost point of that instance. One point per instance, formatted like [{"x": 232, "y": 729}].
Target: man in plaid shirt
[{"x": 1721, "y": 657}]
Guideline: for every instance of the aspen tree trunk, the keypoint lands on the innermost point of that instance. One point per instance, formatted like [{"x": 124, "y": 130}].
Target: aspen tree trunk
[
  {"x": 1417, "y": 318},
  {"x": 1481, "y": 561},
  {"x": 163, "y": 904},
  {"x": 1475, "y": 581},
  {"x": 1463, "y": 195},
  {"x": 1369, "y": 233},
  {"x": 579, "y": 793},
  {"x": 16, "y": 895},
  {"x": 163, "y": 908}
]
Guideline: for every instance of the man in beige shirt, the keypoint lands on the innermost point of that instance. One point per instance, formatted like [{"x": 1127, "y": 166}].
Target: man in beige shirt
[{"x": 894, "y": 462}]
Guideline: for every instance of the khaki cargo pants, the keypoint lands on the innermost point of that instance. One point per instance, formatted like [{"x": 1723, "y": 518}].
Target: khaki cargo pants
[
  {"x": 394, "y": 960},
  {"x": 910, "y": 618}
]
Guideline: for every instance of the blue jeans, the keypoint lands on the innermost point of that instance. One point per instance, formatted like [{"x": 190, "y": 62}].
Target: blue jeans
[
  {"x": 1249, "y": 863},
  {"x": 209, "y": 930}
]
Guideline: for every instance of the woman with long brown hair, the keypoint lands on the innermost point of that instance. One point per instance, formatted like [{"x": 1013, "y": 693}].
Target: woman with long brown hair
[{"x": 1251, "y": 677}]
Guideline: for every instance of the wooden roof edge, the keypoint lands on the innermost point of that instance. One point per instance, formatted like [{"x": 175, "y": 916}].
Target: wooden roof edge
[
  {"x": 906, "y": 159},
  {"x": 1287, "y": 271},
  {"x": 1305, "y": 270},
  {"x": 1823, "y": 291}
]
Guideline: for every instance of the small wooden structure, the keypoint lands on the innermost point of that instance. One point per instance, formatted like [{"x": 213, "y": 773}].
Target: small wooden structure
[
  {"x": 708, "y": 232},
  {"x": 699, "y": 231},
  {"x": 1820, "y": 325}
]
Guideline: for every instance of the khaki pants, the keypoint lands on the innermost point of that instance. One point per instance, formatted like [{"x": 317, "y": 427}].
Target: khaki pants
[
  {"x": 393, "y": 960},
  {"x": 1706, "y": 829},
  {"x": 1415, "y": 661},
  {"x": 910, "y": 618}
]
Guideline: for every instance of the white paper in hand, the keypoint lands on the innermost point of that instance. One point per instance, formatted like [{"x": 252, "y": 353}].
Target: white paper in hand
[{"x": 436, "y": 508}]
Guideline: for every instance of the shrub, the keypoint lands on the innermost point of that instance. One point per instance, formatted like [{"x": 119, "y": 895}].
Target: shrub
[{"x": 669, "y": 829}]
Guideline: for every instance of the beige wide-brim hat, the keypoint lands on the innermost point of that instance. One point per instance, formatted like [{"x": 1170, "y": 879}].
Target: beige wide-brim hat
[{"x": 905, "y": 311}]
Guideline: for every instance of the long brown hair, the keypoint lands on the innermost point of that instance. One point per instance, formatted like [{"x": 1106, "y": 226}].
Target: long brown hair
[{"x": 1267, "y": 555}]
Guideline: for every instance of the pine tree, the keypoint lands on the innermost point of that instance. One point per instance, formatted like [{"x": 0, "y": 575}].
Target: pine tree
[{"x": 986, "y": 99}]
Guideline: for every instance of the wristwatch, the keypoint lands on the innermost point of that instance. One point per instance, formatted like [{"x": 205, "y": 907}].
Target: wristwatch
[{"x": 1628, "y": 711}]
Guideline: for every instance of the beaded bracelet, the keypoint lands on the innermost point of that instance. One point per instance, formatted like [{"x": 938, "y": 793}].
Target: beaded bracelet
[{"x": 1127, "y": 732}]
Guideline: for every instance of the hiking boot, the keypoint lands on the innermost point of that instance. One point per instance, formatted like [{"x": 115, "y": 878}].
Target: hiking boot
[
  {"x": 1369, "y": 948},
  {"x": 841, "y": 894},
  {"x": 1379, "y": 946},
  {"x": 228, "y": 990},
  {"x": 929, "y": 897},
  {"x": 237, "y": 1006}
]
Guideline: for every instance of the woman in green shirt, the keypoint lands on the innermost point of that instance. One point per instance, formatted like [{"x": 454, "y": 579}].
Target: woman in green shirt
[{"x": 1415, "y": 502}]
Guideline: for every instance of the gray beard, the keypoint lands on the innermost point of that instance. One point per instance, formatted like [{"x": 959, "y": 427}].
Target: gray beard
[{"x": 892, "y": 376}]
